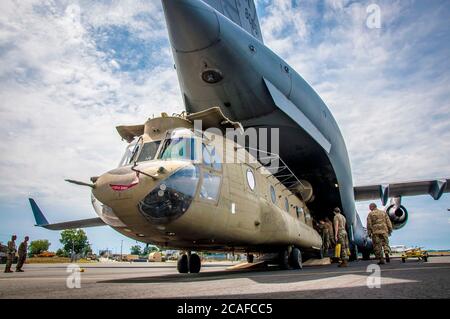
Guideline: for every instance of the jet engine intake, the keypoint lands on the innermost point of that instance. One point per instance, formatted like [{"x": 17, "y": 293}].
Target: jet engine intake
[{"x": 398, "y": 215}]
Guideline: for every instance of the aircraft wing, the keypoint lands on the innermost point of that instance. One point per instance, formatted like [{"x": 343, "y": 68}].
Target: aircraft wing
[
  {"x": 41, "y": 221},
  {"x": 434, "y": 188}
]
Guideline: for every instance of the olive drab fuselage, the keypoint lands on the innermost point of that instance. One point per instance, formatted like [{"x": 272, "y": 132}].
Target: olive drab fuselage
[{"x": 230, "y": 202}]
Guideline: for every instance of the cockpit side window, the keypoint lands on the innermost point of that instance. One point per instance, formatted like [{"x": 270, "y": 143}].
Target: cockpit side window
[
  {"x": 136, "y": 150},
  {"x": 131, "y": 152},
  {"x": 179, "y": 148},
  {"x": 211, "y": 158},
  {"x": 148, "y": 151}
]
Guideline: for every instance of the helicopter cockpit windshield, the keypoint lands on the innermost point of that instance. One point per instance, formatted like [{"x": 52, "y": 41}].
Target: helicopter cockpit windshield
[
  {"x": 138, "y": 151},
  {"x": 179, "y": 145}
]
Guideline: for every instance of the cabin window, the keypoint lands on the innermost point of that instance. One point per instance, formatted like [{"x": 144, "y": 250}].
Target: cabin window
[
  {"x": 299, "y": 211},
  {"x": 273, "y": 195},
  {"x": 286, "y": 204},
  {"x": 179, "y": 148},
  {"x": 307, "y": 218},
  {"x": 148, "y": 151},
  {"x": 210, "y": 187},
  {"x": 211, "y": 157},
  {"x": 251, "y": 179}
]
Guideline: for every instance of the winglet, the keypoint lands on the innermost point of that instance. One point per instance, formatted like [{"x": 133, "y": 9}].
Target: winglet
[{"x": 38, "y": 216}]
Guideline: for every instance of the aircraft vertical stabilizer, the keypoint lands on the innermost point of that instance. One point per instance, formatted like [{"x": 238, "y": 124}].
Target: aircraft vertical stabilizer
[{"x": 243, "y": 13}]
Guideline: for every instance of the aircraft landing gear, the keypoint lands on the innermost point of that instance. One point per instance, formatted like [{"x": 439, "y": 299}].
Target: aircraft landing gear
[
  {"x": 189, "y": 263},
  {"x": 283, "y": 259},
  {"x": 353, "y": 254},
  {"x": 182, "y": 264},
  {"x": 250, "y": 258},
  {"x": 194, "y": 264},
  {"x": 366, "y": 255},
  {"x": 295, "y": 258},
  {"x": 290, "y": 258}
]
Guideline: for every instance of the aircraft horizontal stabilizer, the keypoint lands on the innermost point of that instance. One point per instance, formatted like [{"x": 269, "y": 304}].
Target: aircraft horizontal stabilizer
[
  {"x": 434, "y": 188},
  {"x": 41, "y": 221}
]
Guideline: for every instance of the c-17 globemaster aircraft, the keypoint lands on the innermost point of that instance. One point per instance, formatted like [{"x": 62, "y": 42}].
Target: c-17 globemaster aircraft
[{"x": 228, "y": 77}]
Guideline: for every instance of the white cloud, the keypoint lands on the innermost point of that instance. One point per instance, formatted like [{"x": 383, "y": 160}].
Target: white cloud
[
  {"x": 61, "y": 96},
  {"x": 387, "y": 94}
]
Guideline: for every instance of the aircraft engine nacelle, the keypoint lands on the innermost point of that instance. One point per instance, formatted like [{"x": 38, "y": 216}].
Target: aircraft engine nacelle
[
  {"x": 397, "y": 214},
  {"x": 305, "y": 190}
]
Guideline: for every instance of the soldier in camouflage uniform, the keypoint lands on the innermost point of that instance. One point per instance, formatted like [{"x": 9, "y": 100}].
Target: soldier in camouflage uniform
[
  {"x": 379, "y": 227},
  {"x": 23, "y": 248},
  {"x": 340, "y": 235},
  {"x": 329, "y": 225},
  {"x": 325, "y": 237},
  {"x": 10, "y": 253}
]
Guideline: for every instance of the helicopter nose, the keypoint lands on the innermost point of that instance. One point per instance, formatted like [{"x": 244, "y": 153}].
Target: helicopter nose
[
  {"x": 171, "y": 197},
  {"x": 116, "y": 184},
  {"x": 192, "y": 24},
  {"x": 159, "y": 193}
]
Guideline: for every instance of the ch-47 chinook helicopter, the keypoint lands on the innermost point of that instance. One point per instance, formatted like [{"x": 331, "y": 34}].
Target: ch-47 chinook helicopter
[
  {"x": 222, "y": 61},
  {"x": 195, "y": 190}
]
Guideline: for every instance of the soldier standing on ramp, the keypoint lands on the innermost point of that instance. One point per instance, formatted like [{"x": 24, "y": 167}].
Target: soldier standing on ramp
[
  {"x": 325, "y": 237},
  {"x": 330, "y": 231},
  {"x": 23, "y": 247},
  {"x": 379, "y": 227},
  {"x": 10, "y": 253},
  {"x": 340, "y": 235}
]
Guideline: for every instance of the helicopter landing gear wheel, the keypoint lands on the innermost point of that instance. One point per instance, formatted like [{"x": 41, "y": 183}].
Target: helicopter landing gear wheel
[
  {"x": 283, "y": 259},
  {"x": 182, "y": 264},
  {"x": 295, "y": 258},
  {"x": 195, "y": 264}
]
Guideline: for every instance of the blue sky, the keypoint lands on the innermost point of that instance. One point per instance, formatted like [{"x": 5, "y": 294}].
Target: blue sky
[{"x": 70, "y": 71}]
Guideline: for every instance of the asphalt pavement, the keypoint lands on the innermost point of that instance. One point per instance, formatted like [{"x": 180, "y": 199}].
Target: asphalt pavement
[{"x": 413, "y": 279}]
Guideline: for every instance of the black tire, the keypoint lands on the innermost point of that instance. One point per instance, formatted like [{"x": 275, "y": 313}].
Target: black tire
[
  {"x": 354, "y": 254},
  {"x": 425, "y": 258},
  {"x": 283, "y": 259},
  {"x": 182, "y": 264},
  {"x": 403, "y": 260},
  {"x": 250, "y": 258},
  {"x": 195, "y": 264},
  {"x": 366, "y": 255},
  {"x": 320, "y": 254},
  {"x": 295, "y": 259}
]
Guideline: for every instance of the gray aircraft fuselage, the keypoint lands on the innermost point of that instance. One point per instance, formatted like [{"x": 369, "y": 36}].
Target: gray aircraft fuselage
[{"x": 256, "y": 87}]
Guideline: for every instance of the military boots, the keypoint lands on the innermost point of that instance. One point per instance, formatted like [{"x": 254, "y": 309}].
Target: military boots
[{"x": 343, "y": 263}]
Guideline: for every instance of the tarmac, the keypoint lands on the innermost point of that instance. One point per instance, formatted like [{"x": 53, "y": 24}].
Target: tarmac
[{"x": 413, "y": 279}]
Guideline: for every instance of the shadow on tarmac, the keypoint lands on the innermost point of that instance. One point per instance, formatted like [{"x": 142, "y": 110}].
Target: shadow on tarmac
[{"x": 396, "y": 269}]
